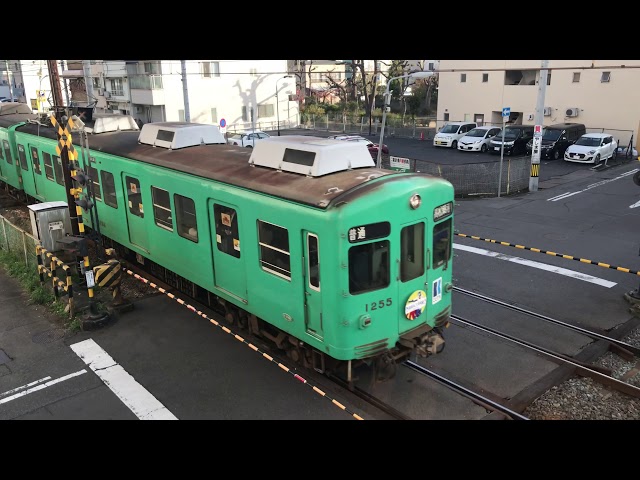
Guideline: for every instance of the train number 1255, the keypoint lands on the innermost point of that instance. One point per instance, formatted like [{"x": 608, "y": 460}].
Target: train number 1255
[{"x": 378, "y": 304}]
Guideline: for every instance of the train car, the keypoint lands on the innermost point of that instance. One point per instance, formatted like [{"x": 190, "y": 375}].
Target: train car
[
  {"x": 301, "y": 240},
  {"x": 12, "y": 115}
]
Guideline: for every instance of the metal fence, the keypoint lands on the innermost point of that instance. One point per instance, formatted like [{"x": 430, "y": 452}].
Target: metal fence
[
  {"x": 477, "y": 179},
  {"x": 16, "y": 240}
]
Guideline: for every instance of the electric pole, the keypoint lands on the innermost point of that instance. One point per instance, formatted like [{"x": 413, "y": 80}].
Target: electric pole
[
  {"x": 185, "y": 92},
  {"x": 537, "y": 131}
]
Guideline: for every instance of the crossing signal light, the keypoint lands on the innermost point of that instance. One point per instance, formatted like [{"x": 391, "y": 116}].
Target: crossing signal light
[
  {"x": 85, "y": 203},
  {"x": 81, "y": 178}
]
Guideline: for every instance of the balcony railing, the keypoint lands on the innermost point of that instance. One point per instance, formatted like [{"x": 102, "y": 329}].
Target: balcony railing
[{"x": 146, "y": 82}]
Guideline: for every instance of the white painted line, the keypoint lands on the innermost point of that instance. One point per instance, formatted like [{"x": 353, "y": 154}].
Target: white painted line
[
  {"x": 14, "y": 390},
  {"x": 39, "y": 387},
  {"x": 541, "y": 266},
  {"x": 562, "y": 196},
  {"x": 144, "y": 405},
  {"x": 637, "y": 204}
]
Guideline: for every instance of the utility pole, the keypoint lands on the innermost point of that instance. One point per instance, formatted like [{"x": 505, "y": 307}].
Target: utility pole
[
  {"x": 60, "y": 122},
  {"x": 88, "y": 82},
  {"x": 185, "y": 91},
  {"x": 6, "y": 63},
  {"x": 537, "y": 132}
]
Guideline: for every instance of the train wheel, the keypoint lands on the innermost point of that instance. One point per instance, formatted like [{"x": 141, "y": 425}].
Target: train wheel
[{"x": 384, "y": 368}]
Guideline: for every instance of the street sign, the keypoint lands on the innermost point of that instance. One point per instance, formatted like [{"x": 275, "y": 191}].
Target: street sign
[
  {"x": 223, "y": 123},
  {"x": 399, "y": 164},
  {"x": 506, "y": 112},
  {"x": 537, "y": 131}
]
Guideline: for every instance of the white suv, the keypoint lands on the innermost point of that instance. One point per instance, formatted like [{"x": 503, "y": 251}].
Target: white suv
[
  {"x": 592, "y": 148},
  {"x": 449, "y": 135}
]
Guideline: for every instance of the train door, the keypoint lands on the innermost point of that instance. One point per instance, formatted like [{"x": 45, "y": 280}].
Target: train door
[
  {"x": 135, "y": 211},
  {"x": 413, "y": 272},
  {"x": 38, "y": 178},
  {"x": 228, "y": 265},
  {"x": 312, "y": 292}
]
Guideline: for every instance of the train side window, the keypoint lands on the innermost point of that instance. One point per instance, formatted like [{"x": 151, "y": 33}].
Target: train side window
[
  {"x": 186, "y": 220},
  {"x": 368, "y": 267},
  {"x": 57, "y": 168},
  {"x": 441, "y": 244},
  {"x": 227, "y": 236},
  {"x": 95, "y": 180},
  {"x": 412, "y": 252},
  {"x": 134, "y": 196},
  {"x": 314, "y": 261},
  {"x": 109, "y": 186},
  {"x": 274, "y": 249},
  {"x": 162, "y": 208},
  {"x": 48, "y": 166},
  {"x": 36, "y": 160},
  {"x": 7, "y": 152},
  {"x": 22, "y": 156}
]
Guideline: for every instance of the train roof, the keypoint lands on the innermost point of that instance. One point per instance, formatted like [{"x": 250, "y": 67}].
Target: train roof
[{"x": 232, "y": 164}]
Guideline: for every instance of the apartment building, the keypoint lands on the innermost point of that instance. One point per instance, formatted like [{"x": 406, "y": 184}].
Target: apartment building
[
  {"x": 245, "y": 93},
  {"x": 601, "y": 94}
]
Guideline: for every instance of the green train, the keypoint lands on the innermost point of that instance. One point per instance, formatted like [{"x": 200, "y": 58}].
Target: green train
[{"x": 301, "y": 239}]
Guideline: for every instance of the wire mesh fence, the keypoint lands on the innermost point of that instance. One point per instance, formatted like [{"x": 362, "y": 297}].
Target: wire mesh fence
[
  {"x": 475, "y": 179},
  {"x": 15, "y": 240}
]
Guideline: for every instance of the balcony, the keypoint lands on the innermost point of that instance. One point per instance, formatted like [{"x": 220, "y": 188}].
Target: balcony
[{"x": 147, "y": 89}]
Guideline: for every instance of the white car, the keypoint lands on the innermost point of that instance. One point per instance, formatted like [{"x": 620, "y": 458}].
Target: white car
[
  {"x": 477, "y": 139},
  {"x": 592, "y": 148},
  {"x": 449, "y": 135},
  {"x": 248, "y": 138}
]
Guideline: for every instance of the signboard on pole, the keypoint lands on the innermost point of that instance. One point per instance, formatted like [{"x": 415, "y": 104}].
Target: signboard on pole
[
  {"x": 223, "y": 126},
  {"x": 400, "y": 164},
  {"x": 506, "y": 113}
]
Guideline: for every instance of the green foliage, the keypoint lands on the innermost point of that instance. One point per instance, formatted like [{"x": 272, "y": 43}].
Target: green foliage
[
  {"x": 30, "y": 281},
  {"x": 314, "y": 110},
  {"x": 333, "y": 108},
  {"x": 413, "y": 104}
]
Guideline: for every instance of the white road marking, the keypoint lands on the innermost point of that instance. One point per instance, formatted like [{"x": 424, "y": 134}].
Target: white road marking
[
  {"x": 562, "y": 196},
  {"x": 38, "y": 387},
  {"x": 541, "y": 266},
  {"x": 637, "y": 204},
  {"x": 14, "y": 390},
  {"x": 144, "y": 405}
]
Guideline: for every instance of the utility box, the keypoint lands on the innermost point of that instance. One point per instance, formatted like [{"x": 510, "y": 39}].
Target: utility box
[{"x": 50, "y": 222}]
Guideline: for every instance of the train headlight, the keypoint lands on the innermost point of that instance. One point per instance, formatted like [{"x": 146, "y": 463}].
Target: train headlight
[{"x": 415, "y": 201}]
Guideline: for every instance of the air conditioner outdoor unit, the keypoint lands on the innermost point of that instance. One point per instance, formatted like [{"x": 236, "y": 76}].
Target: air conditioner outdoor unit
[
  {"x": 547, "y": 111},
  {"x": 572, "y": 112}
]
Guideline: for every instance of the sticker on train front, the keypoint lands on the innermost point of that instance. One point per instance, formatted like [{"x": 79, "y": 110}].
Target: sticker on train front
[
  {"x": 436, "y": 294},
  {"x": 415, "y": 304}
]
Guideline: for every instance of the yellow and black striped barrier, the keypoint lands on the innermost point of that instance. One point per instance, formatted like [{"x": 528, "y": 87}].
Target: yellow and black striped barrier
[
  {"x": 240, "y": 339},
  {"x": 569, "y": 257},
  {"x": 57, "y": 283},
  {"x": 109, "y": 275}
]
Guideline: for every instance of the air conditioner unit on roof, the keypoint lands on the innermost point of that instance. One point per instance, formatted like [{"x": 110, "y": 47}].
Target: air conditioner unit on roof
[
  {"x": 572, "y": 112},
  {"x": 547, "y": 111}
]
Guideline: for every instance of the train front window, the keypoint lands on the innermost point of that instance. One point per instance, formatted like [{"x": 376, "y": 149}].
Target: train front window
[
  {"x": 442, "y": 244},
  {"x": 368, "y": 267},
  {"x": 412, "y": 252}
]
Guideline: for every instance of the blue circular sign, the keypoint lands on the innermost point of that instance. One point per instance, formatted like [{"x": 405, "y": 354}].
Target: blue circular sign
[{"x": 223, "y": 122}]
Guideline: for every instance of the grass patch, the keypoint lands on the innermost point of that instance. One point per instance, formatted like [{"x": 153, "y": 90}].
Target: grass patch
[{"x": 38, "y": 294}]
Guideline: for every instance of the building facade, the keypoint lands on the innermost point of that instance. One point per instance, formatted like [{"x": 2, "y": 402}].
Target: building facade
[{"x": 601, "y": 94}]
